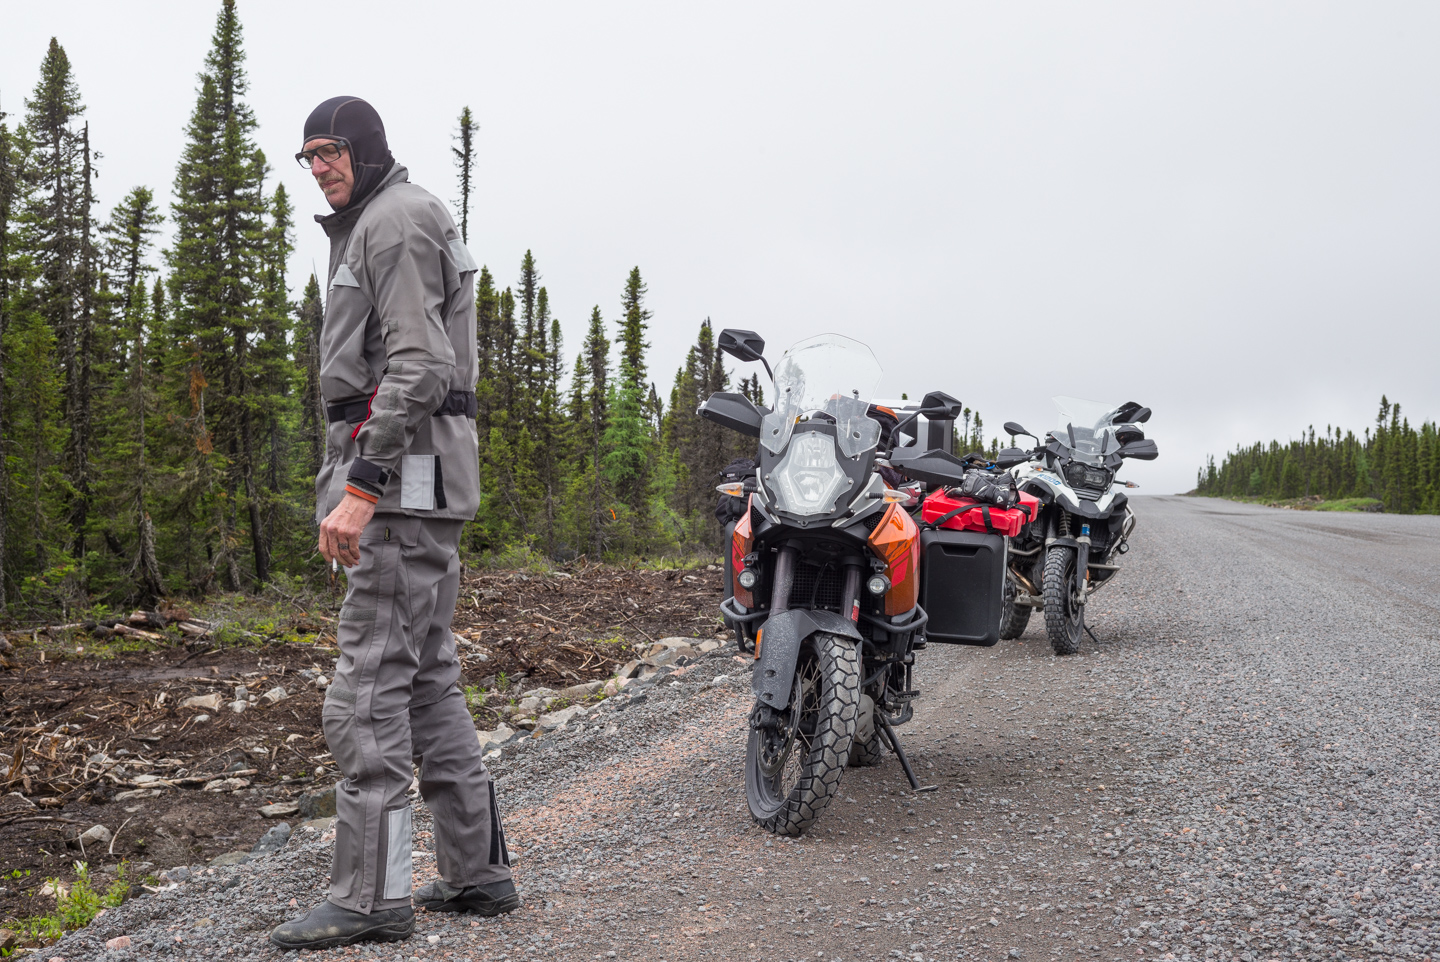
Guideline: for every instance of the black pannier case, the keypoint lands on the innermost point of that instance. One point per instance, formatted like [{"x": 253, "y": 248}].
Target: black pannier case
[{"x": 962, "y": 583}]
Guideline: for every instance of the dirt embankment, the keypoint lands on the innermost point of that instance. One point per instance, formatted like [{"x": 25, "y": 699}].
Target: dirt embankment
[{"x": 96, "y": 735}]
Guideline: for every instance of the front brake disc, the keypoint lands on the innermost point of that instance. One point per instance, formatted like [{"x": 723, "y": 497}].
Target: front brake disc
[{"x": 777, "y": 743}]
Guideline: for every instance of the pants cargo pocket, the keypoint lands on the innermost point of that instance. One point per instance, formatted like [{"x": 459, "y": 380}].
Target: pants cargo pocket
[{"x": 337, "y": 717}]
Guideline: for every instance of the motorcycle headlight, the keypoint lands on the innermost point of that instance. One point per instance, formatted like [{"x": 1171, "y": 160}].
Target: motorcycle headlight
[
  {"x": 1084, "y": 476},
  {"x": 808, "y": 478}
]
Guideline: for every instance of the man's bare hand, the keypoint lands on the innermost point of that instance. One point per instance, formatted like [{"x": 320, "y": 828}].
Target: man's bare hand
[{"x": 340, "y": 531}]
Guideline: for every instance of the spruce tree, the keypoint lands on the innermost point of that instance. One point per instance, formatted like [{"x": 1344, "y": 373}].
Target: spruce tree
[
  {"x": 219, "y": 211},
  {"x": 626, "y": 459},
  {"x": 700, "y": 448},
  {"x": 34, "y": 435},
  {"x": 630, "y": 436},
  {"x": 124, "y": 424},
  {"x": 751, "y": 389},
  {"x": 82, "y": 387},
  {"x": 273, "y": 383},
  {"x": 10, "y": 194},
  {"x": 312, "y": 405},
  {"x": 513, "y": 493},
  {"x": 133, "y": 224},
  {"x": 531, "y": 352},
  {"x": 589, "y": 495},
  {"x": 487, "y": 322},
  {"x": 634, "y": 321},
  {"x": 548, "y": 429},
  {"x": 505, "y": 351},
  {"x": 465, "y": 161},
  {"x": 56, "y": 221},
  {"x": 33, "y": 383}
]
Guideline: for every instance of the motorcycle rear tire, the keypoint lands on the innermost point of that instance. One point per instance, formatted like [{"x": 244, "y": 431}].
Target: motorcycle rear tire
[
  {"x": 1013, "y": 617},
  {"x": 866, "y": 749},
  {"x": 1064, "y": 619},
  {"x": 866, "y": 754},
  {"x": 827, "y": 693}
]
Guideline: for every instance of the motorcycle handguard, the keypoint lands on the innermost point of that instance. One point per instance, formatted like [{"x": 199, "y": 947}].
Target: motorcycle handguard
[{"x": 778, "y": 649}]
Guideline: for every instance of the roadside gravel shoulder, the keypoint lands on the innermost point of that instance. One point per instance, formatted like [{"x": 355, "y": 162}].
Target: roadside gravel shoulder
[{"x": 1243, "y": 769}]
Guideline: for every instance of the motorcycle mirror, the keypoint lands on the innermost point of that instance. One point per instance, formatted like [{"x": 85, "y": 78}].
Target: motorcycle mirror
[
  {"x": 744, "y": 346},
  {"x": 939, "y": 406},
  {"x": 1129, "y": 433},
  {"x": 1012, "y": 429},
  {"x": 1140, "y": 450},
  {"x": 1132, "y": 412}
]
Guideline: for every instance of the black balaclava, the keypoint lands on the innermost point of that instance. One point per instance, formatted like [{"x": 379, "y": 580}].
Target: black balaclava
[{"x": 357, "y": 122}]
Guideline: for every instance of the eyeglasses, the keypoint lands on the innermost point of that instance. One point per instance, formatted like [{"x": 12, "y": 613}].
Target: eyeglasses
[{"x": 329, "y": 153}]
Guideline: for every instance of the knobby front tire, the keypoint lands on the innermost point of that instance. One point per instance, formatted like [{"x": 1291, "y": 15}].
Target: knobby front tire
[
  {"x": 792, "y": 772},
  {"x": 1064, "y": 618}
]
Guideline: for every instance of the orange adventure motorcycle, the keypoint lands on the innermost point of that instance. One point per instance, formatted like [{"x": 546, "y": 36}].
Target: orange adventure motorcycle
[{"x": 825, "y": 571}]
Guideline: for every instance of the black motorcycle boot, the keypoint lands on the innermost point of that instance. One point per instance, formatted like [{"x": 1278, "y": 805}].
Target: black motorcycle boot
[
  {"x": 328, "y": 926},
  {"x": 493, "y": 898}
]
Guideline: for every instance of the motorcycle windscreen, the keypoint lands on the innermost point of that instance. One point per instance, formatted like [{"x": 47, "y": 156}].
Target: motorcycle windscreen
[
  {"x": 1085, "y": 427},
  {"x": 830, "y": 373}
]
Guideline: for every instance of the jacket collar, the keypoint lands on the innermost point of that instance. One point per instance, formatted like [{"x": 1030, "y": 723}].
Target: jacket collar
[{"x": 345, "y": 217}]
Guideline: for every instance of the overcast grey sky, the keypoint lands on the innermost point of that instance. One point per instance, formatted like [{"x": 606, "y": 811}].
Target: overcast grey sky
[{"x": 1226, "y": 211}]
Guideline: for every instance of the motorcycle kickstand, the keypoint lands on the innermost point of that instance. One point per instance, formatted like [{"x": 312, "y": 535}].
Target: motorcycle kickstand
[
  {"x": 1091, "y": 634},
  {"x": 894, "y": 744}
]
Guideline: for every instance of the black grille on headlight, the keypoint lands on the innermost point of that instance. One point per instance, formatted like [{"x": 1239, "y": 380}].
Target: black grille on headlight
[{"x": 1089, "y": 483}]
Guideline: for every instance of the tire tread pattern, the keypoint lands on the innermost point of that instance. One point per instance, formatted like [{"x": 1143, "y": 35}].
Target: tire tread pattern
[
  {"x": 839, "y": 711},
  {"x": 1014, "y": 617},
  {"x": 1058, "y": 562},
  {"x": 866, "y": 754}
]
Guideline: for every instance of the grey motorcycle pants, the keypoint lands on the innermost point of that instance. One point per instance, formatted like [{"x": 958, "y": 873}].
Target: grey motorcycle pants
[{"x": 394, "y": 699}]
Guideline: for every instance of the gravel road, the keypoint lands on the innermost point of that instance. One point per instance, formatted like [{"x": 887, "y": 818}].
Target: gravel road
[{"x": 1245, "y": 767}]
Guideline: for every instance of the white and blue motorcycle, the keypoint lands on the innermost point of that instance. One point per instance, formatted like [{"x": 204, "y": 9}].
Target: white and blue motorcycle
[{"x": 1072, "y": 549}]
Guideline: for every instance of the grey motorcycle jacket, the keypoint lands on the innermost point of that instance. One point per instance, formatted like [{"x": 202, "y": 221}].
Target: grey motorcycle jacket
[{"x": 398, "y": 359}]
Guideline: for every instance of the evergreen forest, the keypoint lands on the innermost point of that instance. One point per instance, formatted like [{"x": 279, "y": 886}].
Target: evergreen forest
[
  {"x": 160, "y": 409},
  {"x": 1395, "y": 463}
]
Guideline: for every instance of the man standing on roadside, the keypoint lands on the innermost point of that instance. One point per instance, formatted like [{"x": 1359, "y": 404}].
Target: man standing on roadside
[{"x": 400, "y": 478}]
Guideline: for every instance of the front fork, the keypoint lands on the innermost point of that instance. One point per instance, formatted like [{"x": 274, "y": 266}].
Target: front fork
[
  {"x": 786, "y": 558},
  {"x": 1082, "y": 562},
  {"x": 1082, "y": 552}
]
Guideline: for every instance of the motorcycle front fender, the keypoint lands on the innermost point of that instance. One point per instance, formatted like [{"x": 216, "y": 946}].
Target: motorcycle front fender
[{"x": 779, "y": 647}]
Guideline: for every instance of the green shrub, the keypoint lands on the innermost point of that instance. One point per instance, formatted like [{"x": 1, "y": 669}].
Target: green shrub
[{"x": 77, "y": 908}]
